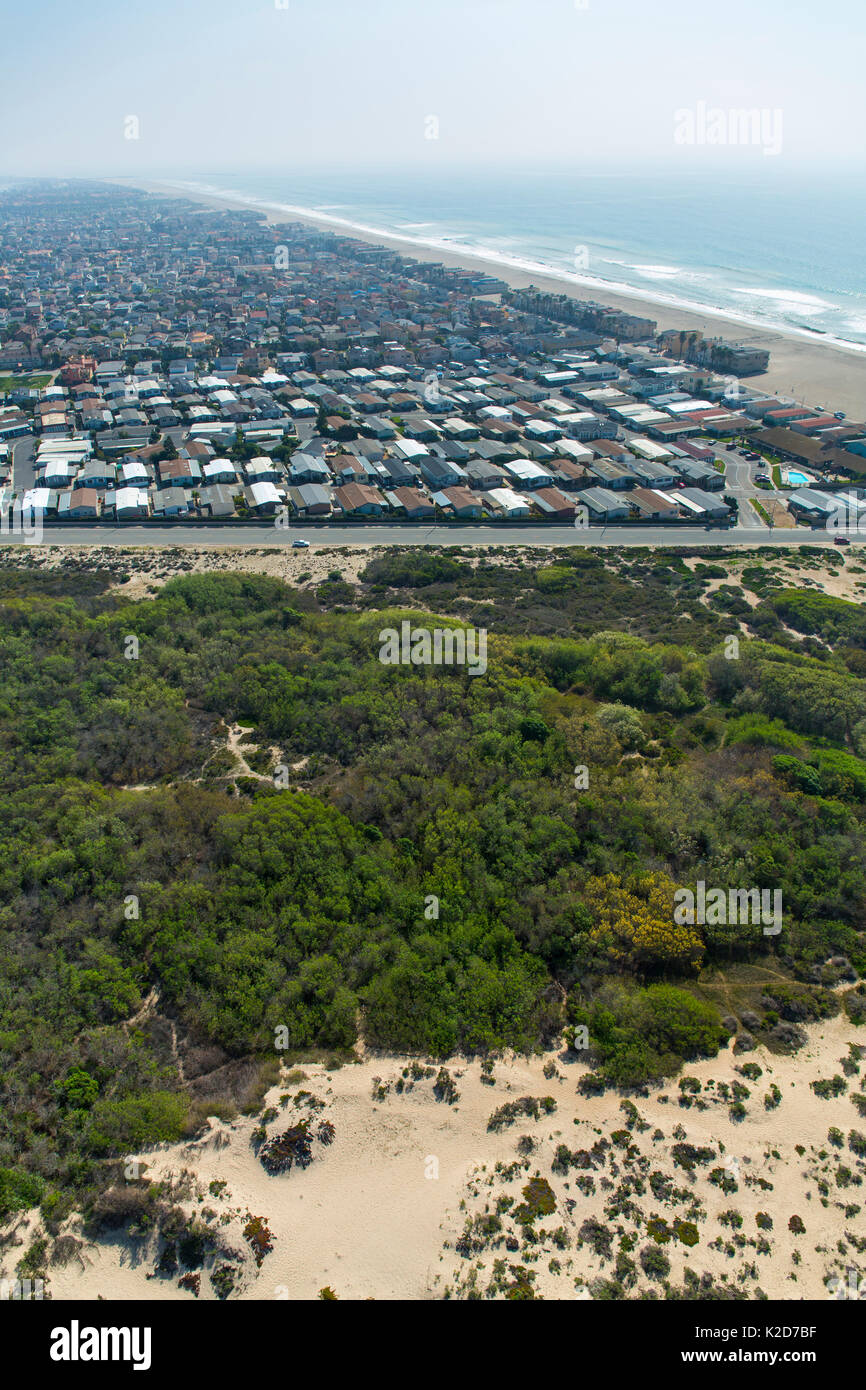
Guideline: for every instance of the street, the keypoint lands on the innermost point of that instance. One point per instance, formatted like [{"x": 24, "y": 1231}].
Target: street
[{"x": 377, "y": 535}]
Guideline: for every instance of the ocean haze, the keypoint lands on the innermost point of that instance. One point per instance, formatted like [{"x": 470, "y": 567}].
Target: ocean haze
[{"x": 266, "y": 84}]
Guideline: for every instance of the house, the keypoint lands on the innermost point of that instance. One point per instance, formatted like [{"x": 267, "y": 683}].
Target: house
[
  {"x": 460, "y": 429},
  {"x": 699, "y": 475},
  {"x": 172, "y": 501},
  {"x": 570, "y": 475},
  {"x": 341, "y": 428},
  {"x": 132, "y": 473},
  {"x": 311, "y": 499},
  {"x": 603, "y": 504},
  {"x": 585, "y": 425},
  {"x": 440, "y": 473},
  {"x": 39, "y": 501},
  {"x": 453, "y": 451},
  {"x": 410, "y": 449},
  {"x": 308, "y": 468},
  {"x": 124, "y": 441},
  {"x": 501, "y": 431},
  {"x": 528, "y": 475},
  {"x": 650, "y": 451},
  {"x": 483, "y": 475},
  {"x": 219, "y": 471},
  {"x": 399, "y": 473},
  {"x": 131, "y": 504},
  {"x": 77, "y": 369},
  {"x": 180, "y": 473},
  {"x": 507, "y": 502},
  {"x": 14, "y": 425},
  {"x": 57, "y": 473},
  {"x": 616, "y": 476},
  {"x": 378, "y": 475},
  {"x": 346, "y": 468},
  {"x": 262, "y": 498},
  {"x": 417, "y": 427},
  {"x": 415, "y": 504},
  {"x": 81, "y": 504},
  {"x": 262, "y": 470},
  {"x": 271, "y": 380},
  {"x": 54, "y": 422},
  {"x": 653, "y": 474},
  {"x": 378, "y": 426},
  {"x": 94, "y": 416},
  {"x": 218, "y": 499},
  {"x": 96, "y": 473},
  {"x": 700, "y": 452},
  {"x": 458, "y": 500},
  {"x": 713, "y": 507},
  {"x": 70, "y": 450},
  {"x": 369, "y": 404},
  {"x": 108, "y": 371},
  {"x": 575, "y": 452},
  {"x": 369, "y": 449},
  {"x": 179, "y": 366},
  {"x": 652, "y": 506},
  {"x": 357, "y": 500},
  {"x": 543, "y": 431},
  {"x": 812, "y": 504},
  {"x": 554, "y": 504},
  {"x": 148, "y": 389}
]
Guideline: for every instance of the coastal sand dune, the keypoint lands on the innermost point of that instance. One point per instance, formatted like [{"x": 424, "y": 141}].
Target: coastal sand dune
[
  {"x": 140, "y": 572},
  {"x": 388, "y": 1209}
]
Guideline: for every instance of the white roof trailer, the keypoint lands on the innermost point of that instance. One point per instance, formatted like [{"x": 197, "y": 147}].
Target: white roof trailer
[
  {"x": 66, "y": 446},
  {"x": 678, "y": 500},
  {"x": 216, "y": 427}
]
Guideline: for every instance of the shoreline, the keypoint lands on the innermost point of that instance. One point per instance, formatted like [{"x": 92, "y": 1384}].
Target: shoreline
[{"x": 818, "y": 373}]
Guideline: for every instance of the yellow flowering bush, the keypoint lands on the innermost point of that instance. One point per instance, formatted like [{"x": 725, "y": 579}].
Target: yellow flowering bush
[{"x": 634, "y": 919}]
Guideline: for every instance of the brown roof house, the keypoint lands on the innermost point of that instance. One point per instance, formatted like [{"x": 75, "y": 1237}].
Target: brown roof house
[
  {"x": 81, "y": 504},
  {"x": 355, "y": 499}
]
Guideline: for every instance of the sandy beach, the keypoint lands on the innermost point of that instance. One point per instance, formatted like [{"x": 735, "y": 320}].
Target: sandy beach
[{"x": 801, "y": 367}]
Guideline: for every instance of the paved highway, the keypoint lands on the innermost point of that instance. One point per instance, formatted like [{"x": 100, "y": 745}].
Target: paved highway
[{"x": 255, "y": 537}]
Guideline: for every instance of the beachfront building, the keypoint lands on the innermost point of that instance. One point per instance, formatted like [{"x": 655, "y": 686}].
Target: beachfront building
[
  {"x": 262, "y": 498},
  {"x": 131, "y": 504},
  {"x": 355, "y": 499},
  {"x": 505, "y": 502},
  {"x": 603, "y": 504},
  {"x": 714, "y": 508}
]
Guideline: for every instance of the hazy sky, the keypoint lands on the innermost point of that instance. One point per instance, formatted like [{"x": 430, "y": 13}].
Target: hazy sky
[{"x": 227, "y": 84}]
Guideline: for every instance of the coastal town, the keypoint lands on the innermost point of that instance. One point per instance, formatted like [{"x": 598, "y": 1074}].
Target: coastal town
[{"x": 164, "y": 361}]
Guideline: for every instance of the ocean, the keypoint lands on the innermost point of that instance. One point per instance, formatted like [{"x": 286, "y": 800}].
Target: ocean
[{"x": 765, "y": 247}]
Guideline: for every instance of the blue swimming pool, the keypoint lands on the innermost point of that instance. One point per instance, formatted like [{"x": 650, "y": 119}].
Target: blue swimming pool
[{"x": 797, "y": 478}]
